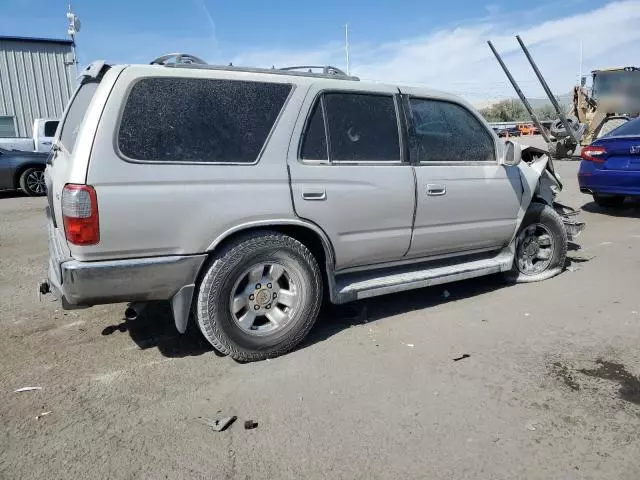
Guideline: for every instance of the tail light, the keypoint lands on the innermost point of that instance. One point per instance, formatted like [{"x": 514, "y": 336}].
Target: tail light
[
  {"x": 80, "y": 214},
  {"x": 593, "y": 154}
]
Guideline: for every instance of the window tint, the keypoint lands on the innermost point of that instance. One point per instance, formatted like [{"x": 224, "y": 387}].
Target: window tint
[
  {"x": 7, "y": 127},
  {"x": 75, "y": 115},
  {"x": 314, "y": 143},
  {"x": 199, "y": 120},
  {"x": 631, "y": 127},
  {"x": 50, "y": 128},
  {"x": 362, "y": 127},
  {"x": 446, "y": 132}
]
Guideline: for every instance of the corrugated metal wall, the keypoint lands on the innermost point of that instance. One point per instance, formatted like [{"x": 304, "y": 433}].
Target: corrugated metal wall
[{"x": 36, "y": 80}]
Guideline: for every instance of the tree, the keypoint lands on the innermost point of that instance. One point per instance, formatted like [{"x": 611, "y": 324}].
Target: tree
[
  {"x": 505, "y": 111},
  {"x": 546, "y": 112}
]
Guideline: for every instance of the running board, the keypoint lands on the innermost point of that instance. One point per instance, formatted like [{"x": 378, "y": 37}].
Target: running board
[{"x": 357, "y": 286}]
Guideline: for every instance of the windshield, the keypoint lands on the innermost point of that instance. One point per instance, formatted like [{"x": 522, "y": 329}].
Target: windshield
[
  {"x": 619, "y": 82},
  {"x": 75, "y": 114}
]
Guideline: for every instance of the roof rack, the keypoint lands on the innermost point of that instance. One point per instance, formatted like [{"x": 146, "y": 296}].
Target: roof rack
[
  {"x": 178, "y": 59},
  {"x": 326, "y": 69},
  {"x": 185, "y": 60}
]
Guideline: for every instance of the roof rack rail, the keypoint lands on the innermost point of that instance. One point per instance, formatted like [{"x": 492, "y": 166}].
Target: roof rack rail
[
  {"x": 178, "y": 59},
  {"x": 186, "y": 60},
  {"x": 326, "y": 69}
]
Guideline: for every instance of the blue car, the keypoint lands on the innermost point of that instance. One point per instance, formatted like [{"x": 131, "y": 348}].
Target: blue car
[{"x": 610, "y": 166}]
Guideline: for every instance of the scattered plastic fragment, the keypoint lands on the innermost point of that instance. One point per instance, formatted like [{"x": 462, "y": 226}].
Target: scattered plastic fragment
[
  {"x": 410, "y": 345},
  {"x": 43, "y": 414},
  {"x": 250, "y": 425},
  {"x": 531, "y": 426},
  {"x": 464, "y": 355},
  {"x": 27, "y": 389},
  {"x": 220, "y": 424}
]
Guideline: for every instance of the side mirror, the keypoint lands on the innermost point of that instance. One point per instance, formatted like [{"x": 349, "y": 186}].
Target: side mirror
[{"x": 512, "y": 153}]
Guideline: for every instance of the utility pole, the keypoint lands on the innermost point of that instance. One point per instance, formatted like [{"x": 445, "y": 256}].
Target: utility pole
[
  {"x": 72, "y": 29},
  {"x": 581, "y": 59},
  {"x": 346, "y": 46}
]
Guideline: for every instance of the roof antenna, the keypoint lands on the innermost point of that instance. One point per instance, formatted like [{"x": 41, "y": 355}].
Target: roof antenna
[{"x": 346, "y": 45}]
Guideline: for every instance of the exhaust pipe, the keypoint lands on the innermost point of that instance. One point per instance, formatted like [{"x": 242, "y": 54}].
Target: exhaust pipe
[{"x": 133, "y": 311}]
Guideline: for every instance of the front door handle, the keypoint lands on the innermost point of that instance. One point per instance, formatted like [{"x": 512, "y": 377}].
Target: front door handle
[
  {"x": 314, "y": 195},
  {"x": 434, "y": 190}
]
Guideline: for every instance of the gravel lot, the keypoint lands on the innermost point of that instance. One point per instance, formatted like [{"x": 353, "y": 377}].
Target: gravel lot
[{"x": 549, "y": 390}]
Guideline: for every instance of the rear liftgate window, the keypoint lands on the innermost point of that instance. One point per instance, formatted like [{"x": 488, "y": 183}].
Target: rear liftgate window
[{"x": 199, "y": 120}]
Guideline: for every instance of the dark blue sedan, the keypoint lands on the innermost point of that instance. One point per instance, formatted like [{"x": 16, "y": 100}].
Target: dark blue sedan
[{"x": 610, "y": 166}]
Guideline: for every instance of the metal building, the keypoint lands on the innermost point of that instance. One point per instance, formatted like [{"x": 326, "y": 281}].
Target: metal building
[{"x": 37, "y": 77}]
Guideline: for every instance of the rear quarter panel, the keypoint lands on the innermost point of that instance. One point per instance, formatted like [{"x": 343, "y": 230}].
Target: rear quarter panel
[{"x": 149, "y": 209}]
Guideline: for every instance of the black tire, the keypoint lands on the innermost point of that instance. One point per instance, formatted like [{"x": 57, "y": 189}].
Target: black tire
[
  {"x": 32, "y": 182},
  {"x": 213, "y": 311},
  {"x": 609, "y": 201},
  {"x": 548, "y": 218}
]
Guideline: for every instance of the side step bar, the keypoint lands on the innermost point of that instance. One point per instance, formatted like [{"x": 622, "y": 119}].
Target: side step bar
[{"x": 357, "y": 286}]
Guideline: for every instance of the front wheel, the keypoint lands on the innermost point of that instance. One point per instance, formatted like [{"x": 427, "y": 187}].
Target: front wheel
[
  {"x": 259, "y": 297},
  {"x": 32, "y": 182},
  {"x": 541, "y": 246}
]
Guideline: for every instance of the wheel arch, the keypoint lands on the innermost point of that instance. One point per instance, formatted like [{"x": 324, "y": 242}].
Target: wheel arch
[{"x": 307, "y": 233}]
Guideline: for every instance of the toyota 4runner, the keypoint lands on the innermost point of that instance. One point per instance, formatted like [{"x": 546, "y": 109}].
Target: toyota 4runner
[{"x": 246, "y": 196}]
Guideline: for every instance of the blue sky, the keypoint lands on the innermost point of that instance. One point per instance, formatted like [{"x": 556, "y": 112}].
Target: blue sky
[{"x": 419, "y": 42}]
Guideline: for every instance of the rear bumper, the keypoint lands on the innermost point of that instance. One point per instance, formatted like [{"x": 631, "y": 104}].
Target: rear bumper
[
  {"x": 114, "y": 281},
  {"x": 612, "y": 182},
  {"x": 80, "y": 284}
]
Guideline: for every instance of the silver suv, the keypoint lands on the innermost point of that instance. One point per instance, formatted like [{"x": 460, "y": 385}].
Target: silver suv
[{"x": 246, "y": 196}]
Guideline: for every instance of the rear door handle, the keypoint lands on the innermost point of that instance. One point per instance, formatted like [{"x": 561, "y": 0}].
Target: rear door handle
[
  {"x": 436, "y": 190},
  {"x": 314, "y": 195}
]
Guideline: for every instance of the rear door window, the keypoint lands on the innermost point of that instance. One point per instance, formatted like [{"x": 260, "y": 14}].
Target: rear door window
[
  {"x": 169, "y": 119},
  {"x": 314, "y": 143},
  {"x": 448, "y": 132},
  {"x": 362, "y": 127},
  {"x": 75, "y": 115}
]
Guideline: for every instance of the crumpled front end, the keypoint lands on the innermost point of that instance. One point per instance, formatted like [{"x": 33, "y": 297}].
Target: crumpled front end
[{"x": 542, "y": 183}]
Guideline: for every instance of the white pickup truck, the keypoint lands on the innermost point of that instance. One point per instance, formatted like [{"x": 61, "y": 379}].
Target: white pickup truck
[{"x": 44, "y": 129}]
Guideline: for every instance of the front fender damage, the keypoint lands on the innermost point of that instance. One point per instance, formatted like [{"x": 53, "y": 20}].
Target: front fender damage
[{"x": 541, "y": 183}]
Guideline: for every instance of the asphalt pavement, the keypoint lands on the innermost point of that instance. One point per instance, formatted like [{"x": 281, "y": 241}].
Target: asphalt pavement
[{"x": 545, "y": 387}]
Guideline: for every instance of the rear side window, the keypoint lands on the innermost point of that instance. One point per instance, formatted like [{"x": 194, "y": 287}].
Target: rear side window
[
  {"x": 199, "y": 120},
  {"x": 50, "y": 128},
  {"x": 447, "y": 132},
  {"x": 75, "y": 115}
]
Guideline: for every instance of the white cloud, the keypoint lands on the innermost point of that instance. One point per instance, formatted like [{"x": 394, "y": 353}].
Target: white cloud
[{"x": 458, "y": 59}]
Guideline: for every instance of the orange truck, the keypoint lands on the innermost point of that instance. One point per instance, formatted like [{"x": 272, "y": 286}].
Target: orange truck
[{"x": 527, "y": 129}]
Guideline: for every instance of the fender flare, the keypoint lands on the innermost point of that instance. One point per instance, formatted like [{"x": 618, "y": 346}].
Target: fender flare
[{"x": 281, "y": 222}]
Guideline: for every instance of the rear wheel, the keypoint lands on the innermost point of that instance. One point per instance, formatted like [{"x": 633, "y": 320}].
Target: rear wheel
[
  {"x": 260, "y": 296},
  {"x": 608, "y": 201},
  {"x": 541, "y": 246},
  {"x": 32, "y": 182}
]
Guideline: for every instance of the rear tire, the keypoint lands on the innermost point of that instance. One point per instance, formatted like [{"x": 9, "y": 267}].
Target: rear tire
[
  {"x": 608, "y": 201},
  {"x": 259, "y": 297},
  {"x": 541, "y": 246},
  {"x": 32, "y": 182}
]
